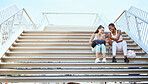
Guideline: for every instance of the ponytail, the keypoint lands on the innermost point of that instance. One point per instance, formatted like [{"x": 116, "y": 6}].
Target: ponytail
[{"x": 99, "y": 28}]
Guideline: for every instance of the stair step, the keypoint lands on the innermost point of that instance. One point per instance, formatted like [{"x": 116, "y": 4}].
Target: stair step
[
  {"x": 61, "y": 37},
  {"x": 74, "y": 71},
  {"x": 67, "y": 59},
  {"x": 60, "y": 32},
  {"x": 62, "y": 53},
  {"x": 75, "y": 79},
  {"x": 61, "y": 44},
  {"x": 24, "y": 34},
  {"x": 59, "y": 41},
  {"x": 71, "y": 65},
  {"x": 61, "y": 48}
]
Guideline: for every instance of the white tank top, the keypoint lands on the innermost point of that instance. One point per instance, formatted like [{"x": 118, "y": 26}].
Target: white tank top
[{"x": 115, "y": 36}]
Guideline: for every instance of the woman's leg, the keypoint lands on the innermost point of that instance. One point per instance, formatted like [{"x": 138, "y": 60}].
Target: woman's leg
[
  {"x": 97, "y": 53},
  {"x": 103, "y": 53},
  {"x": 125, "y": 51},
  {"x": 124, "y": 48},
  {"x": 114, "y": 44},
  {"x": 103, "y": 50}
]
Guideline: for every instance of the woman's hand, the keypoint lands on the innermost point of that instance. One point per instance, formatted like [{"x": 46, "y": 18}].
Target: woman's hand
[
  {"x": 107, "y": 35},
  {"x": 107, "y": 40},
  {"x": 90, "y": 43}
]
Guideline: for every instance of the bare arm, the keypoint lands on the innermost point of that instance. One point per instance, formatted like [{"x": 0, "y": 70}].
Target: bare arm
[
  {"x": 110, "y": 42},
  {"x": 106, "y": 39},
  {"x": 91, "y": 39},
  {"x": 109, "y": 39}
]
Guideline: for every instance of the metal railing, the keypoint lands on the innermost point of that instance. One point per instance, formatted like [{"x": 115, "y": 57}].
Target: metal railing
[
  {"x": 48, "y": 18},
  {"x": 19, "y": 19},
  {"x": 7, "y": 12},
  {"x": 135, "y": 26},
  {"x": 138, "y": 12}
]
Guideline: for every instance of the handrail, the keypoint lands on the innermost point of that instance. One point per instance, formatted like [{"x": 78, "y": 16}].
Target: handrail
[
  {"x": 14, "y": 22},
  {"x": 29, "y": 18},
  {"x": 17, "y": 13},
  {"x": 56, "y": 13},
  {"x": 131, "y": 14},
  {"x": 67, "y": 13},
  {"x": 133, "y": 28},
  {"x": 10, "y": 17}
]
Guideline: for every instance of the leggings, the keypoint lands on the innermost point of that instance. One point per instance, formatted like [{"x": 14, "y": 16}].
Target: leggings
[
  {"x": 99, "y": 47},
  {"x": 122, "y": 46}
]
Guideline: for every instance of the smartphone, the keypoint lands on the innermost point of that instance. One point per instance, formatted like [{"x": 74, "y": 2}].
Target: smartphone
[{"x": 106, "y": 33}]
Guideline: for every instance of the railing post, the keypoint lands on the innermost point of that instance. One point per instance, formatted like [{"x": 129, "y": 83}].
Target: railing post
[
  {"x": 127, "y": 21},
  {"x": 47, "y": 19},
  {"x": 137, "y": 28},
  {"x": 95, "y": 21},
  {"x": 20, "y": 20},
  {"x": 0, "y": 37}
]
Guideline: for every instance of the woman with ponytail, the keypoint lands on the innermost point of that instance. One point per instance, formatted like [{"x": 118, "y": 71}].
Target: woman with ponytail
[{"x": 97, "y": 35}]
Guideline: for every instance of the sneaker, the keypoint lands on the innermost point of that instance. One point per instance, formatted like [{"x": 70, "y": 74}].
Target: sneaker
[
  {"x": 97, "y": 60},
  {"x": 114, "y": 60},
  {"x": 126, "y": 60},
  {"x": 104, "y": 60}
]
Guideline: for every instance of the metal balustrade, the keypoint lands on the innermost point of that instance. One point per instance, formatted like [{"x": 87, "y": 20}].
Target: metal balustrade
[
  {"x": 135, "y": 26},
  {"x": 7, "y": 12},
  {"x": 9, "y": 25},
  {"x": 138, "y": 12},
  {"x": 95, "y": 20}
]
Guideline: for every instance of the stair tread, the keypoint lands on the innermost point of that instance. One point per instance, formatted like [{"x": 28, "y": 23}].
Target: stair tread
[
  {"x": 61, "y": 40},
  {"x": 62, "y": 48},
  {"x": 53, "y": 31},
  {"x": 73, "y": 70},
  {"x": 63, "y": 52},
  {"x": 144, "y": 63},
  {"x": 59, "y": 43},
  {"x": 72, "y": 57},
  {"x": 75, "y": 79},
  {"x": 41, "y": 37}
]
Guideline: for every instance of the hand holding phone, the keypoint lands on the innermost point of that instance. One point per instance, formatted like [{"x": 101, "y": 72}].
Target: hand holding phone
[{"x": 106, "y": 34}]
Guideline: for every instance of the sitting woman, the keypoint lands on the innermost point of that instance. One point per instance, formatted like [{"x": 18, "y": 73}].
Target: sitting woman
[
  {"x": 115, "y": 39},
  {"x": 98, "y": 35}
]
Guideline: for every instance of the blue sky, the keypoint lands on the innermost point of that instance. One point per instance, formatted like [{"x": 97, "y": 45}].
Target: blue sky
[{"x": 108, "y": 8}]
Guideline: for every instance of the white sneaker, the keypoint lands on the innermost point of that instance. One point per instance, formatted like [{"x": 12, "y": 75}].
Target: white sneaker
[
  {"x": 104, "y": 60},
  {"x": 97, "y": 60}
]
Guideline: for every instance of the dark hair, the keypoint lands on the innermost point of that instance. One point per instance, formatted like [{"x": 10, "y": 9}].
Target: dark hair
[
  {"x": 112, "y": 24},
  {"x": 99, "y": 28}
]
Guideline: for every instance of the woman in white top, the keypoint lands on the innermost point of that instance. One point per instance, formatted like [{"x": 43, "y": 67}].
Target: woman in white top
[
  {"x": 98, "y": 35},
  {"x": 115, "y": 39}
]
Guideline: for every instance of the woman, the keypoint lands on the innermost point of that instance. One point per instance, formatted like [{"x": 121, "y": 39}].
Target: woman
[
  {"x": 117, "y": 42},
  {"x": 98, "y": 35}
]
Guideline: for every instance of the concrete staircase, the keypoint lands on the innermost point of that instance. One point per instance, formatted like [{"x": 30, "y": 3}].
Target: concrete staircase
[{"x": 64, "y": 56}]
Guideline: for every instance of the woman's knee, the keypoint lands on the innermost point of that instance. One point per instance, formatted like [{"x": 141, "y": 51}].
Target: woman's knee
[
  {"x": 103, "y": 48},
  {"x": 114, "y": 43},
  {"x": 124, "y": 42},
  {"x": 98, "y": 48}
]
